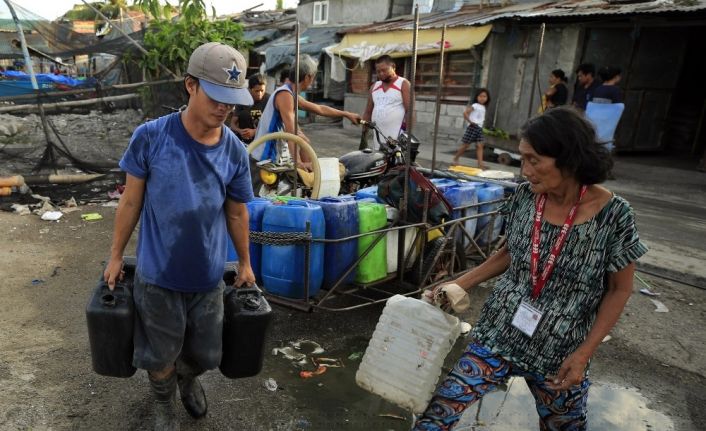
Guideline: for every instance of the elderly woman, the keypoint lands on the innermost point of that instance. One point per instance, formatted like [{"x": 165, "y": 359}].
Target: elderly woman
[{"x": 566, "y": 273}]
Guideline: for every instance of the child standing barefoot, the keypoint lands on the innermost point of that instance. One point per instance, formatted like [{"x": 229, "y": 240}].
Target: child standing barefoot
[{"x": 475, "y": 115}]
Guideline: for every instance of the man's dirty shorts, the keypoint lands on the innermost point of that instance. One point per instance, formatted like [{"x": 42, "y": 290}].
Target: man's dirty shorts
[{"x": 170, "y": 324}]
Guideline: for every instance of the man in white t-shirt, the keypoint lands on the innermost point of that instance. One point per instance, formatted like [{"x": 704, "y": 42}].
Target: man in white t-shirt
[{"x": 388, "y": 101}]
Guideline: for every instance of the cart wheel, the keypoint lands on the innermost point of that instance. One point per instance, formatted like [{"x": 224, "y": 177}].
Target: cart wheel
[
  {"x": 441, "y": 269},
  {"x": 504, "y": 159}
]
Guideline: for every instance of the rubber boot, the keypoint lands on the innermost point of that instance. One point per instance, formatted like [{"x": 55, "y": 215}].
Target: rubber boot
[
  {"x": 193, "y": 397},
  {"x": 164, "y": 410}
]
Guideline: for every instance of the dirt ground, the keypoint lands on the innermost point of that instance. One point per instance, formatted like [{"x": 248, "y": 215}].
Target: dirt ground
[{"x": 49, "y": 268}]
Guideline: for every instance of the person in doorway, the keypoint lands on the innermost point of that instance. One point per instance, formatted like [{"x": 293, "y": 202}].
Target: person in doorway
[
  {"x": 187, "y": 182},
  {"x": 246, "y": 118},
  {"x": 608, "y": 91},
  {"x": 585, "y": 85},
  {"x": 389, "y": 100},
  {"x": 279, "y": 114},
  {"x": 565, "y": 274},
  {"x": 557, "y": 93},
  {"x": 475, "y": 115}
]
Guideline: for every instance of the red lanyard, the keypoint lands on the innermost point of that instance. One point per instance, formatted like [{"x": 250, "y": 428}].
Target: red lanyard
[{"x": 538, "y": 282}]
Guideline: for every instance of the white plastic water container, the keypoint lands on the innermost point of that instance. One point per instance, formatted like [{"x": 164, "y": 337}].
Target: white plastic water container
[
  {"x": 403, "y": 361},
  {"x": 330, "y": 177},
  {"x": 392, "y": 241}
]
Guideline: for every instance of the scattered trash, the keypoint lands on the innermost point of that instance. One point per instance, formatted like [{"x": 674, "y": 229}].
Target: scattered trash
[
  {"x": 607, "y": 338},
  {"x": 21, "y": 209},
  {"x": 690, "y": 304},
  {"x": 291, "y": 354},
  {"x": 648, "y": 292},
  {"x": 309, "y": 374},
  {"x": 661, "y": 308},
  {"x": 391, "y": 416},
  {"x": 56, "y": 271},
  {"x": 45, "y": 207},
  {"x": 644, "y": 283},
  {"x": 466, "y": 328},
  {"x": 355, "y": 356},
  {"x": 37, "y": 281},
  {"x": 327, "y": 362},
  {"x": 110, "y": 204},
  {"x": 43, "y": 231},
  {"x": 316, "y": 348},
  {"x": 115, "y": 194},
  {"x": 52, "y": 215},
  {"x": 270, "y": 384},
  {"x": 68, "y": 210},
  {"x": 70, "y": 203},
  {"x": 302, "y": 423},
  {"x": 40, "y": 197},
  {"x": 91, "y": 217}
]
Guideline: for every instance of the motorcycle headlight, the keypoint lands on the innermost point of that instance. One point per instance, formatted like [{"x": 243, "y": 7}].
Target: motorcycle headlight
[{"x": 268, "y": 178}]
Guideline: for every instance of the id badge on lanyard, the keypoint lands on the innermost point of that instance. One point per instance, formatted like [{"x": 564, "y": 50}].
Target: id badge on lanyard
[{"x": 528, "y": 316}]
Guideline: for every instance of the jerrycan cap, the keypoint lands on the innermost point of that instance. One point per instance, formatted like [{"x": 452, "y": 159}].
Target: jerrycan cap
[{"x": 108, "y": 300}]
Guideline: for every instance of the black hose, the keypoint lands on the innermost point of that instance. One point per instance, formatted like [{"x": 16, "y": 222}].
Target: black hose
[{"x": 668, "y": 278}]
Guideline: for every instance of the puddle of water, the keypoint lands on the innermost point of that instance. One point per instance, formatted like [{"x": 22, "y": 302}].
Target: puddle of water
[
  {"x": 333, "y": 401},
  {"x": 610, "y": 407}
]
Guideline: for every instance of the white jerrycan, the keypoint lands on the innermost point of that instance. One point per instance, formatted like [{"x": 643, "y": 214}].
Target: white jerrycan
[
  {"x": 330, "y": 177},
  {"x": 404, "y": 358}
]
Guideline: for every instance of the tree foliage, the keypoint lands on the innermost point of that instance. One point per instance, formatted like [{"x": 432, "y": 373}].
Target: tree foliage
[
  {"x": 170, "y": 40},
  {"x": 109, "y": 8}
]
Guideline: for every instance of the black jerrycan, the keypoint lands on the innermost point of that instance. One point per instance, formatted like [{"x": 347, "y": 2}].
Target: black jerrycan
[
  {"x": 246, "y": 319},
  {"x": 110, "y": 323}
]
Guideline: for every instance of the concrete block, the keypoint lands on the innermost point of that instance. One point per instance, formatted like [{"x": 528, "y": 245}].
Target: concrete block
[
  {"x": 420, "y": 106},
  {"x": 446, "y": 121},
  {"x": 459, "y": 123},
  {"x": 455, "y": 110},
  {"x": 425, "y": 117}
]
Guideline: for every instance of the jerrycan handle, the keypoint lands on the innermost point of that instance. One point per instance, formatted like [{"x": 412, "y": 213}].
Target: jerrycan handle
[
  {"x": 251, "y": 297},
  {"x": 298, "y": 203}
]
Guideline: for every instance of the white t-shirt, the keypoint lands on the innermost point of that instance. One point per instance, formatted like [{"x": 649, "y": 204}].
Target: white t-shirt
[
  {"x": 477, "y": 116},
  {"x": 388, "y": 109}
]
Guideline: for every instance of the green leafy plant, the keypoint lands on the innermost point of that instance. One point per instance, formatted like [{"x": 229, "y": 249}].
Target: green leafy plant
[
  {"x": 170, "y": 40},
  {"x": 497, "y": 133}
]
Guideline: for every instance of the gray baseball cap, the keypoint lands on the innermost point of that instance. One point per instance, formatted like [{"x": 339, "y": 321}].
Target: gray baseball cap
[{"x": 221, "y": 70}]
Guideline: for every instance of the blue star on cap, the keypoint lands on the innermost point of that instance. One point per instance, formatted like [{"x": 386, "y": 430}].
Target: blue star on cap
[{"x": 233, "y": 73}]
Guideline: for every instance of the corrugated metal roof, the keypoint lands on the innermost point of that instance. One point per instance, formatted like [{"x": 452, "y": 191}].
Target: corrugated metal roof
[{"x": 476, "y": 15}]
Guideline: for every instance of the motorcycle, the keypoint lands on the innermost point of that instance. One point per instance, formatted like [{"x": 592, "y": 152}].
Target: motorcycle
[
  {"x": 359, "y": 169},
  {"x": 364, "y": 168}
]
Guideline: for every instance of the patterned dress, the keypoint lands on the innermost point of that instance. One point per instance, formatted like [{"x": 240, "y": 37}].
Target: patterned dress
[{"x": 606, "y": 243}]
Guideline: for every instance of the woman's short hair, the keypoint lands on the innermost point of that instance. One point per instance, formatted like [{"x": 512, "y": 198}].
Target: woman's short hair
[
  {"x": 565, "y": 135},
  {"x": 307, "y": 67}
]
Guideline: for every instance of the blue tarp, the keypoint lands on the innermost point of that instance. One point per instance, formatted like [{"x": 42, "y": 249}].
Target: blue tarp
[{"x": 44, "y": 78}]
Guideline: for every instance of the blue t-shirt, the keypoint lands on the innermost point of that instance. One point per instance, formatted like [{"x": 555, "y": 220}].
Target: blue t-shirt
[
  {"x": 607, "y": 94},
  {"x": 182, "y": 240}
]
